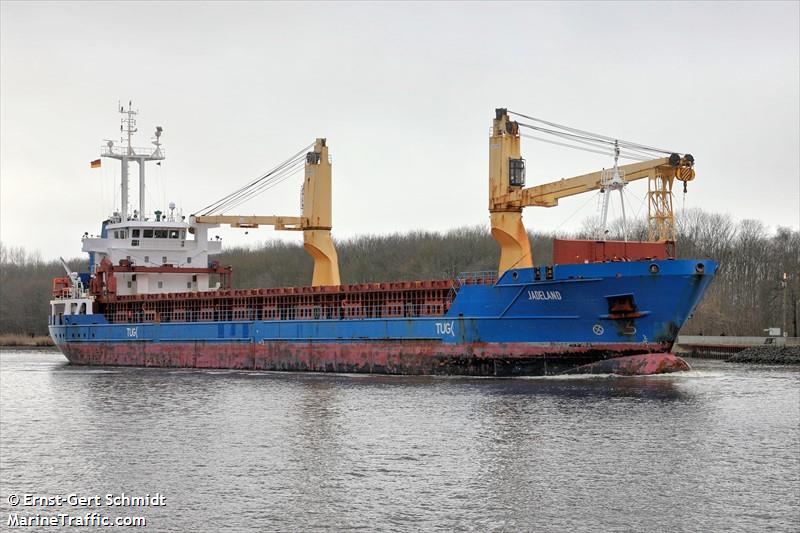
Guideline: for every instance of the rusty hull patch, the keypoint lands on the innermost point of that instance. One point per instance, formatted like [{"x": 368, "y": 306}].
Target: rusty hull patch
[
  {"x": 379, "y": 357},
  {"x": 636, "y": 365}
]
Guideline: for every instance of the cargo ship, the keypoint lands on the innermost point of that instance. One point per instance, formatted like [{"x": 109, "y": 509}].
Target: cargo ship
[{"x": 154, "y": 298}]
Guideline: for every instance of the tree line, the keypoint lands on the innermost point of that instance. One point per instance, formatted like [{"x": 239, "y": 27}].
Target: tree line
[{"x": 747, "y": 295}]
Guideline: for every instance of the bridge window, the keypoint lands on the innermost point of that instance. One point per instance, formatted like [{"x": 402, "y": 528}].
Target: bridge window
[
  {"x": 148, "y": 234},
  {"x": 173, "y": 234},
  {"x": 135, "y": 233},
  {"x": 161, "y": 234}
]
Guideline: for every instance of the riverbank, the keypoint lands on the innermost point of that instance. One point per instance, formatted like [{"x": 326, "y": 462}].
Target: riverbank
[
  {"x": 767, "y": 350},
  {"x": 25, "y": 340},
  {"x": 768, "y": 355}
]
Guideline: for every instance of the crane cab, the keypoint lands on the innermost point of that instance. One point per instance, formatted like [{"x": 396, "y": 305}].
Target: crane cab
[{"x": 516, "y": 172}]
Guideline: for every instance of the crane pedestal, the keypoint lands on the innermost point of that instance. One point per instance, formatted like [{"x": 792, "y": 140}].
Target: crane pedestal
[
  {"x": 319, "y": 245},
  {"x": 510, "y": 234}
]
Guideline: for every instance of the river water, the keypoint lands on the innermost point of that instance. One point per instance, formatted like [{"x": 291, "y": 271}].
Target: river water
[{"x": 714, "y": 449}]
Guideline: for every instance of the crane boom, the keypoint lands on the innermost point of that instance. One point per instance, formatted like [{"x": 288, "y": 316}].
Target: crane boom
[
  {"x": 508, "y": 195},
  {"x": 253, "y": 221},
  {"x": 315, "y": 222},
  {"x": 548, "y": 194}
]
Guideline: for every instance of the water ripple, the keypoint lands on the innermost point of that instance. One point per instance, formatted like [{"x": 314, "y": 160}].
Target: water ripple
[{"x": 713, "y": 449}]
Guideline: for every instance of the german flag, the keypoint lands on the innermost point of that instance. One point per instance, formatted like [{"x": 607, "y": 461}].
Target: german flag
[{"x": 95, "y": 164}]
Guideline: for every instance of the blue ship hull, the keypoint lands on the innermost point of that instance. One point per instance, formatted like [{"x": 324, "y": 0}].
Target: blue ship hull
[{"x": 570, "y": 317}]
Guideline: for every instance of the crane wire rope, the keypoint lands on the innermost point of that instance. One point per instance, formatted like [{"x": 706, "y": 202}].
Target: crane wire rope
[
  {"x": 257, "y": 185},
  {"x": 594, "y": 135},
  {"x": 239, "y": 196},
  {"x": 595, "y": 143},
  {"x": 275, "y": 180},
  {"x": 631, "y": 197},
  {"x": 628, "y": 152},
  {"x": 254, "y": 187},
  {"x": 576, "y": 211},
  {"x": 601, "y": 152}
]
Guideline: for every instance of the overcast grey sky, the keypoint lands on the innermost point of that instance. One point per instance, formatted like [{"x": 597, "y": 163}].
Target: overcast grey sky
[{"x": 404, "y": 93}]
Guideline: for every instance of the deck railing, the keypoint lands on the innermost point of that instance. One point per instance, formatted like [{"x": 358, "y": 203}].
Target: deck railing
[
  {"x": 484, "y": 277},
  {"x": 121, "y": 150},
  {"x": 433, "y": 300}
]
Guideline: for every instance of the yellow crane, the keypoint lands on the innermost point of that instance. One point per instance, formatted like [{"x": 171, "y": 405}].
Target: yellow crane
[
  {"x": 508, "y": 194},
  {"x": 315, "y": 221}
]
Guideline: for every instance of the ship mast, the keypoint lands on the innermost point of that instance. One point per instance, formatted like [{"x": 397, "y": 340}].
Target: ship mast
[{"x": 126, "y": 153}]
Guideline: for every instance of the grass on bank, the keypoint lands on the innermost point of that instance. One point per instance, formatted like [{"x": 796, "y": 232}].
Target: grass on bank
[{"x": 25, "y": 340}]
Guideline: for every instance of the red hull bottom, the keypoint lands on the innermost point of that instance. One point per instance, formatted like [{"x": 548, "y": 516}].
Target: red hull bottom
[{"x": 409, "y": 358}]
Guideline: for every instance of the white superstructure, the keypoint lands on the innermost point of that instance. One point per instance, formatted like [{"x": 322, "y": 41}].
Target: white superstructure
[{"x": 159, "y": 249}]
